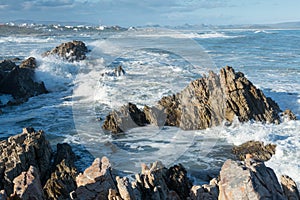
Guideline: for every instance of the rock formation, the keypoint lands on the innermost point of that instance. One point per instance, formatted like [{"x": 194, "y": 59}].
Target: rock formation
[
  {"x": 70, "y": 51},
  {"x": 25, "y": 164},
  {"x": 204, "y": 103},
  {"x": 20, "y": 152},
  {"x": 255, "y": 149},
  {"x": 27, "y": 185},
  {"x": 19, "y": 81},
  {"x": 289, "y": 188},
  {"x": 249, "y": 181},
  {"x": 63, "y": 180}
]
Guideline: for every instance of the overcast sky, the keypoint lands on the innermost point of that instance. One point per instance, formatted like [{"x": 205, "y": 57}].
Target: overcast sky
[{"x": 149, "y": 12}]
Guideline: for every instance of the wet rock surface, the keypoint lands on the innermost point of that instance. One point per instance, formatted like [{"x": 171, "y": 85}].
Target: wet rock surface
[
  {"x": 255, "y": 149},
  {"x": 19, "y": 81},
  {"x": 204, "y": 103},
  {"x": 70, "y": 51}
]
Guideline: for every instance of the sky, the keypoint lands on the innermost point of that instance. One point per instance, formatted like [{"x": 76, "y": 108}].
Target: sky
[{"x": 150, "y": 12}]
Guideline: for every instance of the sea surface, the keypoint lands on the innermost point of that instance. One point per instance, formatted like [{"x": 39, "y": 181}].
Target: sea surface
[{"x": 158, "y": 62}]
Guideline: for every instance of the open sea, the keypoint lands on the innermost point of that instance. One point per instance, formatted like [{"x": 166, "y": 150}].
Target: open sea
[{"x": 158, "y": 62}]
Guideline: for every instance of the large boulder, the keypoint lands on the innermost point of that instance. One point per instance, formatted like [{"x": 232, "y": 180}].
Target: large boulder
[
  {"x": 250, "y": 180},
  {"x": 19, "y": 152},
  {"x": 19, "y": 81},
  {"x": 29, "y": 63},
  {"x": 255, "y": 149},
  {"x": 204, "y": 103},
  {"x": 70, "y": 51}
]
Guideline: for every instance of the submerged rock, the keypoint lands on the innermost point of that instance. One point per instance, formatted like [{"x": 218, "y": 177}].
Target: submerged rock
[
  {"x": 255, "y": 149},
  {"x": 20, "y": 152},
  {"x": 70, "y": 51},
  {"x": 250, "y": 181},
  {"x": 204, "y": 103},
  {"x": 289, "y": 115}
]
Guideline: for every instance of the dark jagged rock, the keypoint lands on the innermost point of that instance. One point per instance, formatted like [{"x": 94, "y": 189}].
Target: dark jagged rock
[
  {"x": 27, "y": 185},
  {"x": 29, "y": 63},
  {"x": 204, "y": 103},
  {"x": 251, "y": 180},
  {"x": 177, "y": 180},
  {"x": 21, "y": 151},
  {"x": 70, "y": 51},
  {"x": 19, "y": 82},
  {"x": 63, "y": 180},
  {"x": 128, "y": 117},
  {"x": 289, "y": 188},
  {"x": 256, "y": 150}
]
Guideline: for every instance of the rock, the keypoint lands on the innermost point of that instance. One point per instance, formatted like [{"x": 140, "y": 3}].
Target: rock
[
  {"x": 205, "y": 192},
  {"x": 19, "y": 82},
  {"x": 204, "y": 103},
  {"x": 289, "y": 188},
  {"x": 70, "y": 51},
  {"x": 158, "y": 182},
  {"x": 63, "y": 180},
  {"x": 96, "y": 181},
  {"x": 125, "y": 189},
  {"x": 289, "y": 115},
  {"x": 177, "y": 180},
  {"x": 29, "y": 148},
  {"x": 27, "y": 185},
  {"x": 7, "y": 65},
  {"x": 257, "y": 150},
  {"x": 118, "y": 71},
  {"x": 251, "y": 180},
  {"x": 128, "y": 117},
  {"x": 29, "y": 63}
]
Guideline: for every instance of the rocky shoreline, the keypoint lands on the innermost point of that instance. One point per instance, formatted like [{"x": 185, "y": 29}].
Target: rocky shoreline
[{"x": 30, "y": 169}]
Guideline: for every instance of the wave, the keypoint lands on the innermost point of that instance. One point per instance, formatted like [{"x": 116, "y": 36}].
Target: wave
[{"x": 29, "y": 39}]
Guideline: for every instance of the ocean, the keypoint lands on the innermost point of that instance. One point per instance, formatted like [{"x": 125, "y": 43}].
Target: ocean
[{"x": 158, "y": 62}]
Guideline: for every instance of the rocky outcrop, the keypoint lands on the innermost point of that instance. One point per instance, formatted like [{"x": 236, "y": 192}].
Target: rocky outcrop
[
  {"x": 249, "y": 181},
  {"x": 63, "y": 180},
  {"x": 70, "y": 51},
  {"x": 20, "y": 152},
  {"x": 204, "y": 103},
  {"x": 118, "y": 71},
  {"x": 289, "y": 115},
  {"x": 207, "y": 191},
  {"x": 19, "y": 81},
  {"x": 128, "y": 117},
  {"x": 289, "y": 188},
  {"x": 255, "y": 149},
  {"x": 95, "y": 182},
  {"x": 27, "y": 185},
  {"x": 29, "y": 63}
]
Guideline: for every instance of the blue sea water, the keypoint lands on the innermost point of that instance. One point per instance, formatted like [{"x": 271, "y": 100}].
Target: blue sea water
[{"x": 157, "y": 63}]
